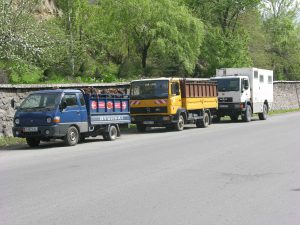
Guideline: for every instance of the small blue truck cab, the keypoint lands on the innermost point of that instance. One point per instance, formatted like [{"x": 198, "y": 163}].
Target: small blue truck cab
[{"x": 71, "y": 115}]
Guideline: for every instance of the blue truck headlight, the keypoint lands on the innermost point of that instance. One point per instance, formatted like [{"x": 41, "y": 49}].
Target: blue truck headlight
[
  {"x": 17, "y": 121},
  {"x": 49, "y": 119}
]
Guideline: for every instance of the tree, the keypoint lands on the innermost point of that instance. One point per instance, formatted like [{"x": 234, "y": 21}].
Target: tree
[
  {"x": 26, "y": 41},
  {"x": 74, "y": 17},
  {"x": 226, "y": 42},
  {"x": 280, "y": 22},
  {"x": 148, "y": 29}
]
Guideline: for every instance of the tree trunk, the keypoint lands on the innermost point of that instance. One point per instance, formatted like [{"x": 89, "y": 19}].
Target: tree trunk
[{"x": 145, "y": 55}]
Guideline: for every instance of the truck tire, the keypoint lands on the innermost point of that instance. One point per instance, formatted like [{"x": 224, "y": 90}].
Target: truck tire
[
  {"x": 204, "y": 122},
  {"x": 33, "y": 142},
  {"x": 246, "y": 116},
  {"x": 72, "y": 136},
  {"x": 234, "y": 118},
  {"x": 112, "y": 133},
  {"x": 180, "y": 124},
  {"x": 264, "y": 114},
  {"x": 141, "y": 128}
]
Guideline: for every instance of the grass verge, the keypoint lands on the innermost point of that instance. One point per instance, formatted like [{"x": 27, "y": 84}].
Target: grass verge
[
  {"x": 7, "y": 141},
  {"x": 275, "y": 112}
]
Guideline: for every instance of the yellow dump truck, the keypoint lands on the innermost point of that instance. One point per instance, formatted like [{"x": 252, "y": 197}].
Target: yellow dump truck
[{"x": 172, "y": 102}]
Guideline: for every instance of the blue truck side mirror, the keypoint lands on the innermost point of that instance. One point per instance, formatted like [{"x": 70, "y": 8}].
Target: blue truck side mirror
[{"x": 62, "y": 105}]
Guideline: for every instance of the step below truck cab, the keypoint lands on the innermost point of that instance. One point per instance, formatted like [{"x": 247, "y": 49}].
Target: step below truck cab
[
  {"x": 70, "y": 115},
  {"x": 172, "y": 102}
]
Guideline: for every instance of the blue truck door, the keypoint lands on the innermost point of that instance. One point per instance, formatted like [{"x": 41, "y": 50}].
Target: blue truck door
[
  {"x": 71, "y": 114},
  {"x": 83, "y": 113}
]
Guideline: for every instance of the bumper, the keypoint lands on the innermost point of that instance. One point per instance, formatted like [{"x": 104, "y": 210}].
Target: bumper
[
  {"x": 227, "y": 109},
  {"x": 154, "y": 120},
  {"x": 42, "y": 132}
]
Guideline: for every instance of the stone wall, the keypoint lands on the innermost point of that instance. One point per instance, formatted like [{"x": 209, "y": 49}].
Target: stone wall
[{"x": 286, "y": 96}]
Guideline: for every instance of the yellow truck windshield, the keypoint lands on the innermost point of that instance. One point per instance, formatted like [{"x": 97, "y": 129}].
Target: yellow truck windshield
[{"x": 153, "y": 89}]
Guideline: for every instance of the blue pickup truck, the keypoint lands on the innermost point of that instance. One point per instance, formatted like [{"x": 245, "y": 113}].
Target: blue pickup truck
[{"x": 71, "y": 115}]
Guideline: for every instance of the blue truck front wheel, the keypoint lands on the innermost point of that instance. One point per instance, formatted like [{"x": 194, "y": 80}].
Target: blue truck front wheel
[{"x": 72, "y": 136}]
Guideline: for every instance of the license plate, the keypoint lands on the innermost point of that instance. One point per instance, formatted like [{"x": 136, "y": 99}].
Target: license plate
[
  {"x": 223, "y": 106},
  {"x": 30, "y": 129},
  {"x": 148, "y": 122}
]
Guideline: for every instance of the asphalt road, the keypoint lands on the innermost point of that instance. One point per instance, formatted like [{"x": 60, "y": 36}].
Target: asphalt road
[{"x": 227, "y": 174}]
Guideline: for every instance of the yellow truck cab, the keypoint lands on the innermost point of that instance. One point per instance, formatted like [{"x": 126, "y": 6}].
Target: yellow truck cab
[{"x": 172, "y": 102}]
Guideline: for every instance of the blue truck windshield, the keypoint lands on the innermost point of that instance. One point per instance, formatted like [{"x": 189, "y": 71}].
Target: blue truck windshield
[
  {"x": 40, "y": 101},
  {"x": 228, "y": 84},
  {"x": 149, "y": 89}
]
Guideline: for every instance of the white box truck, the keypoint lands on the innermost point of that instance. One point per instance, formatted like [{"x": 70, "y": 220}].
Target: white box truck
[{"x": 244, "y": 91}]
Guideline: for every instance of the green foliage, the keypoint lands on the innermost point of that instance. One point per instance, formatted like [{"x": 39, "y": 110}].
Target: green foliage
[
  {"x": 219, "y": 51},
  {"x": 22, "y": 72},
  {"x": 258, "y": 42},
  {"x": 106, "y": 41},
  {"x": 226, "y": 42},
  {"x": 142, "y": 30},
  {"x": 283, "y": 35}
]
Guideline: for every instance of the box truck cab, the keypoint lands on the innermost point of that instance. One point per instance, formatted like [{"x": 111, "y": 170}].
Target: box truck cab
[
  {"x": 244, "y": 91},
  {"x": 70, "y": 115},
  {"x": 172, "y": 102}
]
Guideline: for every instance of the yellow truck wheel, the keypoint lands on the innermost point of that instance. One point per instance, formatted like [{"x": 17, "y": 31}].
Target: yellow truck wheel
[
  {"x": 180, "y": 123},
  {"x": 203, "y": 123}
]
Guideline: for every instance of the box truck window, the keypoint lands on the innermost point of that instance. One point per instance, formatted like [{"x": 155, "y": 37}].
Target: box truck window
[
  {"x": 261, "y": 78},
  {"x": 270, "y": 81}
]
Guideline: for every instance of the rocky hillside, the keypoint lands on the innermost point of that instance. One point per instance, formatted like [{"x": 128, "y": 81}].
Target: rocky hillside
[{"x": 47, "y": 9}]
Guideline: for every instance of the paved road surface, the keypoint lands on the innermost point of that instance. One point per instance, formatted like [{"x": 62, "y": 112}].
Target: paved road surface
[{"x": 228, "y": 174}]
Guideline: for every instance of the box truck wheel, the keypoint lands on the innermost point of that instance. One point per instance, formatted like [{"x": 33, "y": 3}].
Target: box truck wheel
[
  {"x": 141, "y": 127},
  {"x": 33, "y": 142},
  {"x": 204, "y": 122},
  {"x": 180, "y": 123},
  {"x": 263, "y": 115},
  {"x": 112, "y": 133},
  {"x": 72, "y": 136},
  {"x": 246, "y": 116}
]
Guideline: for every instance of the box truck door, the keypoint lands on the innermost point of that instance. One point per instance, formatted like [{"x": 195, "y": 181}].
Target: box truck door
[{"x": 176, "y": 101}]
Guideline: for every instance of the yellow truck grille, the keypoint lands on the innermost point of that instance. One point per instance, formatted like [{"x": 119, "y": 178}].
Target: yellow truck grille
[{"x": 142, "y": 110}]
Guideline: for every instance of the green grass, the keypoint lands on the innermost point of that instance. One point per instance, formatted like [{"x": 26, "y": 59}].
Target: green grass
[
  {"x": 275, "y": 112},
  {"x": 7, "y": 141}
]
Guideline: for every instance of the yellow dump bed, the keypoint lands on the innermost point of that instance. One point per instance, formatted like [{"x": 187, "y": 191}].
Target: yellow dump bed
[{"x": 198, "y": 94}]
